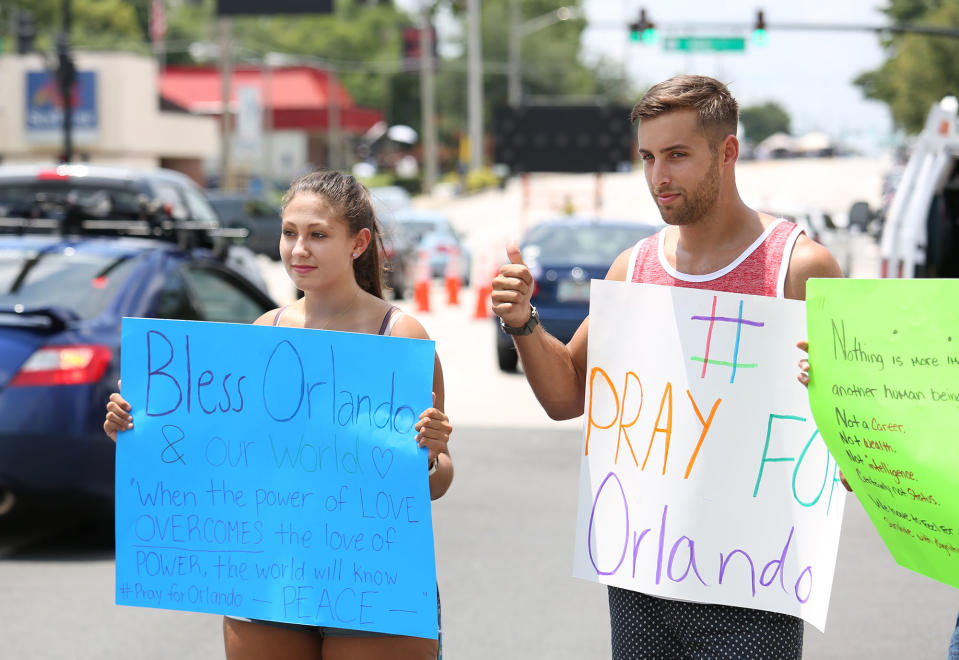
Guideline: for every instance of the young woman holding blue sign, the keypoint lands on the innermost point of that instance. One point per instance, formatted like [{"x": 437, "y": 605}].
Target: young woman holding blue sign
[{"x": 329, "y": 246}]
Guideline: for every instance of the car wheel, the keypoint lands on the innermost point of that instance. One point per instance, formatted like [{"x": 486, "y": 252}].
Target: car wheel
[{"x": 507, "y": 357}]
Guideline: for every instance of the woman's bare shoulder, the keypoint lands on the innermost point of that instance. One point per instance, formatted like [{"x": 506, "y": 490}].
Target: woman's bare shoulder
[
  {"x": 407, "y": 326},
  {"x": 267, "y": 317}
]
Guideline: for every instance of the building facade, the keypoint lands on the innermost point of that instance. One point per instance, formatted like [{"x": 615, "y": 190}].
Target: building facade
[{"x": 119, "y": 117}]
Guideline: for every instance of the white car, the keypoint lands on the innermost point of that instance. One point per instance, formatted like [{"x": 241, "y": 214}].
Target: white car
[{"x": 434, "y": 234}]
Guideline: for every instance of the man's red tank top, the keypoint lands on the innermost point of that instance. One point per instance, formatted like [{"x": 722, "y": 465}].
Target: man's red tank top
[{"x": 760, "y": 270}]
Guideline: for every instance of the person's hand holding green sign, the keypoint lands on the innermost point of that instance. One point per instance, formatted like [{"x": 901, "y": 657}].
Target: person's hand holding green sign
[{"x": 884, "y": 390}]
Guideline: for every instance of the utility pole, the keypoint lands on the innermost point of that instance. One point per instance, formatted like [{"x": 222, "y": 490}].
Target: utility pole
[
  {"x": 428, "y": 101},
  {"x": 514, "y": 88},
  {"x": 226, "y": 118},
  {"x": 475, "y": 85},
  {"x": 333, "y": 132},
  {"x": 66, "y": 78}
]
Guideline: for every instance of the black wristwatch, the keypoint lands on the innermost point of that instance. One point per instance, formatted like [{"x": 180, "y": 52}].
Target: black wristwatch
[{"x": 524, "y": 329}]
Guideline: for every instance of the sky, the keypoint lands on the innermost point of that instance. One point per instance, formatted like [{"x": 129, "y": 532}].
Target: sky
[{"x": 809, "y": 73}]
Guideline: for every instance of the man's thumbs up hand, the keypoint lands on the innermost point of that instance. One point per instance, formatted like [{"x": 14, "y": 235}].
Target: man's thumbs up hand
[{"x": 512, "y": 289}]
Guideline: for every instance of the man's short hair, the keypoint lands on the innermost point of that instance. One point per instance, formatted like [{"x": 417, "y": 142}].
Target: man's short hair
[{"x": 717, "y": 109}]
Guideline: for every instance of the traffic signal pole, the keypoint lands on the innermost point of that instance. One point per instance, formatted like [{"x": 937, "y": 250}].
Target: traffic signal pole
[{"x": 66, "y": 77}]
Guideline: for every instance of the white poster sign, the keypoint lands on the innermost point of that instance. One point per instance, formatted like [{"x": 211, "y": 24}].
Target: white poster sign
[
  {"x": 703, "y": 476},
  {"x": 249, "y": 120}
]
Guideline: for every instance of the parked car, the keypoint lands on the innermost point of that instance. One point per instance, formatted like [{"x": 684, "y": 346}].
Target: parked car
[
  {"x": 68, "y": 194},
  {"x": 65, "y": 285},
  {"x": 398, "y": 258},
  {"x": 563, "y": 256},
  {"x": 100, "y": 200},
  {"x": 399, "y": 250},
  {"x": 258, "y": 216},
  {"x": 434, "y": 234},
  {"x": 387, "y": 200}
]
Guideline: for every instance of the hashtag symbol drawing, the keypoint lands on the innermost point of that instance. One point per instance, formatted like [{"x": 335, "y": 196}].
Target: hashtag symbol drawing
[
  {"x": 125, "y": 590},
  {"x": 740, "y": 322}
]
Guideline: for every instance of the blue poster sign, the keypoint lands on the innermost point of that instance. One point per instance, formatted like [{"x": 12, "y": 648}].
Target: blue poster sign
[
  {"x": 272, "y": 473},
  {"x": 44, "y": 105}
]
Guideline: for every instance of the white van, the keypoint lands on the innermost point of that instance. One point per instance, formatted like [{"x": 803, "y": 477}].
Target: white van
[{"x": 920, "y": 235}]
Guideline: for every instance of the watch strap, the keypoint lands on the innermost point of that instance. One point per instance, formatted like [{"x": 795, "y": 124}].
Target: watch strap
[{"x": 526, "y": 328}]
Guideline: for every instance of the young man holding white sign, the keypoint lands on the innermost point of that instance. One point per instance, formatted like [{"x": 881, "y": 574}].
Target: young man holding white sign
[{"x": 688, "y": 144}]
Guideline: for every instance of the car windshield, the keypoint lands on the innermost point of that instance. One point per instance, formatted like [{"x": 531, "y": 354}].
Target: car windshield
[
  {"x": 581, "y": 244},
  {"x": 79, "y": 281},
  {"x": 417, "y": 228},
  {"x": 439, "y": 237},
  {"x": 387, "y": 200},
  {"x": 198, "y": 205},
  {"x": 51, "y": 199}
]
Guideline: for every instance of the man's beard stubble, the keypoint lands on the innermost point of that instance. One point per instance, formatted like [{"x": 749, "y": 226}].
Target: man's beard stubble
[{"x": 697, "y": 205}]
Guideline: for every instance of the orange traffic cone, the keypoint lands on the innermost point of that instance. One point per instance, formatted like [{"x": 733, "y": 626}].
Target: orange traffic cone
[
  {"x": 453, "y": 279},
  {"x": 421, "y": 289},
  {"x": 483, "y": 292}
]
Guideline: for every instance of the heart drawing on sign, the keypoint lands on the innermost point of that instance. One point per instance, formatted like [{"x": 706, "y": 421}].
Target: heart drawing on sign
[{"x": 382, "y": 461}]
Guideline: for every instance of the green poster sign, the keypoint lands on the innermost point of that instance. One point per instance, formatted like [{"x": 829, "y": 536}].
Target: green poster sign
[
  {"x": 884, "y": 391},
  {"x": 704, "y": 44}
]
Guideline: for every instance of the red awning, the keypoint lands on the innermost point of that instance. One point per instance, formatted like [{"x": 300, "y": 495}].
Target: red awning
[{"x": 299, "y": 96}]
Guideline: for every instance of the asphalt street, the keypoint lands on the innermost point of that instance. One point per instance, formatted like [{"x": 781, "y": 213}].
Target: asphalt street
[
  {"x": 504, "y": 564},
  {"x": 504, "y": 533}
]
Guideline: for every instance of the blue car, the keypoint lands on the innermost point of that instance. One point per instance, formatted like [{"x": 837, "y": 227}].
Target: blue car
[
  {"x": 62, "y": 299},
  {"x": 563, "y": 256}
]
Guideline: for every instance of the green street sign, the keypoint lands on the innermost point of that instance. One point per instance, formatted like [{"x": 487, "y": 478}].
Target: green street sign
[{"x": 704, "y": 44}]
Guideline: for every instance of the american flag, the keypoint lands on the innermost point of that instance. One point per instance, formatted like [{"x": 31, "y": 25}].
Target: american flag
[{"x": 157, "y": 22}]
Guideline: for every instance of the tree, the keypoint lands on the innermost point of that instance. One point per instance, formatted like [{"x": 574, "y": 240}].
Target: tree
[
  {"x": 552, "y": 65},
  {"x": 362, "y": 41},
  {"x": 761, "y": 121},
  {"x": 96, "y": 23},
  {"x": 919, "y": 69}
]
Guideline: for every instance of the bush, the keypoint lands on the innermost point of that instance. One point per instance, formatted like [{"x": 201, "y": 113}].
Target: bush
[
  {"x": 481, "y": 179},
  {"x": 476, "y": 180},
  {"x": 413, "y": 186}
]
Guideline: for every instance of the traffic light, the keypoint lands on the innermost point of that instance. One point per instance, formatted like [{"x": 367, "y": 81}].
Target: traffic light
[
  {"x": 411, "y": 46},
  {"x": 411, "y": 43},
  {"x": 642, "y": 30},
  {"x": 760, "y": 37}
]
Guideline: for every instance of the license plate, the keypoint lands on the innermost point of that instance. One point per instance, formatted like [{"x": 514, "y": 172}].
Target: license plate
[{"x": 572, "y": 291}]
